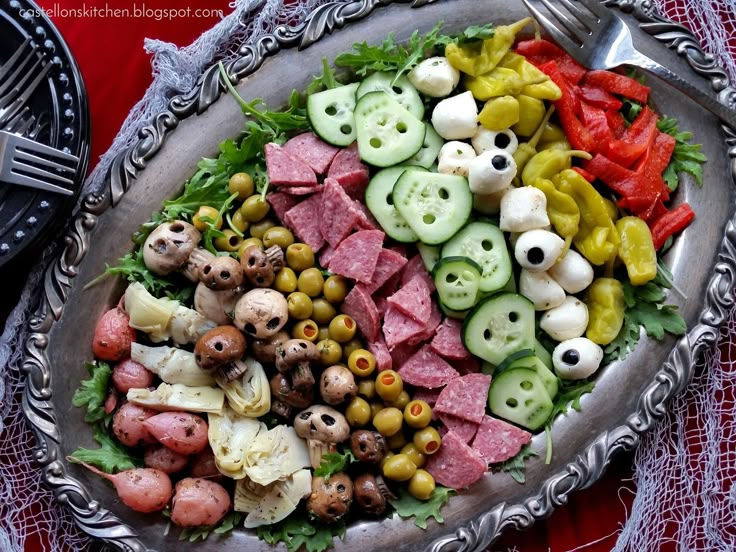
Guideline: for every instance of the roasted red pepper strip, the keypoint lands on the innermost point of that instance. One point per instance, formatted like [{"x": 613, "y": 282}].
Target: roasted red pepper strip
[
  {"x": 539, "y": 47},
  {"x": 571, "y": 69},
  {"x": 618, "y": 84},
  {"x": 599, "y": 98},
  {"x": 635, "y": 141},
  {"x": 654, "y": 213},
  {"x": 596, "y": 122},
  {"x": 590, "y": 177},
  {"x": 616, "y": 122},
  {"x": 636, "y": 191},
  {"x": 653, "y": 163},
  {"x": 670, "y": 223}
]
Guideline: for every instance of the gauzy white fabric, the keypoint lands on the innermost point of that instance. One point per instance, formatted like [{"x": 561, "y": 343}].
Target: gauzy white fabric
[{"x": 683, "y": 469}]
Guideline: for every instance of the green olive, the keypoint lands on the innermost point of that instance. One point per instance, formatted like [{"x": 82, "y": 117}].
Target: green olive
[
  {"x": 237, "y": 222},
  {"x": 310, "y": 282},
  {"x": 335, "y": 289},
  {"x": 396, "y": 441},
  {"x": 242, "y": 184},
  {"x": 352, "y": 345},
  {"x": 421, "y": 485},
  {"x": 388, "y": 421},
  {"x": 205, "y": 211},
  {"x": 258, "y": 229},
  {"x": 358, "y": 412},
  {"x": 278, "y": 235},
  {"x": 427, "y": 440},
  {"x": 417, "y": 414},
  {"x": 399, "y": 468},
  {"x": 229, "y": 242},
  {"x": 330, "y": 351},
  {"x": 305, "y": 329},
  {"x": 367, "y": 388},
  {"x": 388, "y": 455},
  {"x": 416, "y": 455},
  {"x": 389, "y": 385},
  {"x": 342, "y": 328},
  {"x": 254, "y": 208},
  {"x": 323, "y": 311},
  {"x": 285, "y": 281},
  {"x": 300, "y": 305},
  {"x": 401, "y": 401},
  {"x": 299, "y": 256},
  {"x": 247, "y": 243},
  {"x": 324, "y": 331},
  {"x": 361, "y": 362}
]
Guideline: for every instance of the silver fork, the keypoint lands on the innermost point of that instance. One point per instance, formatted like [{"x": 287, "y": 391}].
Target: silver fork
[
  {"x": 20, "y": 91},
  {"x": 27, "y": 163},
  {"x": 599, "y": 39}
]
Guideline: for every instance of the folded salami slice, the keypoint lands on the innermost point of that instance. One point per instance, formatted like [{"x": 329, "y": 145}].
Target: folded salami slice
[
  {"x": 357, "y": 256},
  {"x": 426, "y": 369},
  {"x": 389, "y": 263},
  {"x": 366, "y": 220},
  {"x": 413, "y": 300},
  {"x": 455, "y": 465},
  {"x": 304, "y": 219},
  {"x": 448, "y": 341},
  {"x": 465, "y": 397},
  {"x": 286, "y": 170},
  {"x": 497, "y": 441},
  {"x": 435, "y": 317},
  {"x": 380, "y": 350},
  {"x": 361, "y": 308},
  {"x": 399, "y": 328},
  {"x": 401, "y": 353},
  {"x": 301, "y": 190},
  {"x": 415, "y": 267},
  {"x": 313, "y": 151},
  {"x": 462, "y": 428},
  {"x": 348, "y": 169},
  {"x": 338, "y": 213},
  {"x": 281, "y": 203},
  {"x": 325, "y": 256}
]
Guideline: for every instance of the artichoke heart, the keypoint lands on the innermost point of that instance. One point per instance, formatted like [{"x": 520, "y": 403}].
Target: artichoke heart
[
  {"x": 172, "y": 365},
  {"x": 276, "y": 454},
  {"x": 230, "y": 435},
  {"x": 270, "y": 504},
  {"x": 179, "y": 397},
  {"x": 187, "y": 325},
  {"x": 249, "y": 395}
]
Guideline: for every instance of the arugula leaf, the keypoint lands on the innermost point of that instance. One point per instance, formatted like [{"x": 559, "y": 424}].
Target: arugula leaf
[
  {"x": 515, "y": 466},
  {"x": 568, "y": 396},
  {"x": 686, "y": 158},
  {"x": 229, "y": 522},
  {"x": 476, "y": 32},
  {"x": 421, "y": 510},
  {"x": 657, "y": 319},
  {"x": 93, "y": 392},
  {"x": 297, "y": 531},
  {"x": 132, "y": 268},
  {"x": 326, "y": 81},
  {"x": 111, "y": 457},
  {"x": 226, "y": 525},
  {"x": 334, "y": 462}
]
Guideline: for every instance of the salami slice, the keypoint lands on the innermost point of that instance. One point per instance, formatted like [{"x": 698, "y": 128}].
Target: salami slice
[
  {"x": 426, "y": 369},
  {"x": 313, "y": 151},
  {"x": 413, "y": 300},
  {"x": 427, "y": 395},
  {"x": 415, "y": 267},
  {"x": 366, "y": 220},
  {"x": 401, "y": 353},
  {"x": 380, "y": 351},
  {"x": 361, "y": 308},
  {"x": 470, "y": 365},
  {"x": 281, "y": 203},
  {"x": 357, "y": 256},
  {"x": 304, "y": 219},
  {"x": 339, "y": 215},
  {"x": 435, "y": 318},
  {"x": 448, "y": 341},
  {"x": 497, "y": 441},
  {"x": 381, "y": 305},
  {"x": 465, "y": 397},
  {"x": 300, "y": 190},
  {"x": 325, "y": 256},
  {"x": 355, "y": 186},
  {"x": 389, "y": 263},
  {"x": 285, "y": 170},
  {"x": 455, "y": 465},
  {"x": 347, "y": 168},
  {"x": 462, "y": 428},
  {"x": 399, "y": 328}
]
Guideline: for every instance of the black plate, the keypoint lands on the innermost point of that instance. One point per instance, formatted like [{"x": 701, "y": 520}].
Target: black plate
[{"x": 60, "y": 103}]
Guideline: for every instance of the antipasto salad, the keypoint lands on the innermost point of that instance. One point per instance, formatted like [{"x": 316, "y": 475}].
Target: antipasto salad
[{"x": 380, "y": 293}]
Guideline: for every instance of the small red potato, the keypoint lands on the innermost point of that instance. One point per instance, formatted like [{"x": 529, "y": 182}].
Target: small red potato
[
  {"x": 198, "y": 502},
  {"x": 182, "y": 432},
  {"x": 111, "y": 402},
  {"x": 203, "y": 464},
  {"x": 113, "y": 336},
  {"x": 164, "y": 459},
  {"x": 130, "y": 374},
  {"x": 128, "y": 425}
]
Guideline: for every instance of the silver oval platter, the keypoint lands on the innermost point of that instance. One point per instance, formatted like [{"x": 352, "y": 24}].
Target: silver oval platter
[{"x": 629, "y": 396}]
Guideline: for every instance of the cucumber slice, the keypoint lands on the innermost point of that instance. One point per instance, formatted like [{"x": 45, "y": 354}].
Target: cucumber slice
[
  {"x": 457, "y": 280},
  {"x": 519, "y": 396},
  {"x": 543, "y": 354},
  {"x": 330, "y": 113},
  {"x": 499, "y": 326},
  {"x": 485, "y": 244},
  {"x": 379, "y": 200},
  {"x": 387, "y": 133},
  {"x": 458, "y": 315},
  {"x": 527, "y": 359},
  {"x": 431, "y": 147},
  {"x": 402, "y": 91},
  {"x": 434, "y": 205},
  {"x": 430, "y": 255}
]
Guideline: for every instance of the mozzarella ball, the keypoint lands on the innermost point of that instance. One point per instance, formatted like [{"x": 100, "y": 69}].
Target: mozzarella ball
[
  {"x": 489, "y": 204},
  {"x": 456, "y": 118},
  {"x": 566, "y": 321},
  {"x": 491, "y": 172},
  {"x": 454, "y": 158},
  {"x": 484, "y": 140},
  {"x": 540, "y": 289},
  {"x": 577, "y": 358},
  {"x": 537, "y": 250},
  {"x": 523, "y": 209},
  {"x": 573, "y": 272},
  {"x": 434, "y": 77}
]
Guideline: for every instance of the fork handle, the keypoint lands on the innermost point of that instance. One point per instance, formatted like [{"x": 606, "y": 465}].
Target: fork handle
[{"x": 727, "y": 114}]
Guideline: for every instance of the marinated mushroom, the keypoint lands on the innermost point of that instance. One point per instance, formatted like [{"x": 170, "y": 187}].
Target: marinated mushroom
[
  {"x": 217, "y": 306},
  {"x": 199, "y": 257},
  {"x": 257, "y": 267},
  {"x": 371, "y": 493},
  {"x": 295, "y": 355},
  {"x": 221, "y": 273},
  {"x": 330, "y": 500},
  {"x": 168, "y": 248},
  {"x": 323, "y": 427},
  {"x": 276, "y": 256},
  {"x": 265, "y": 350},
  {"x": 368, "y": 446},
  {"x": 337, "y": 385},
  {"x": 283, "y": 390},
  {"x": 219, "y": 346},
  {"x": 261, "y": 313}
]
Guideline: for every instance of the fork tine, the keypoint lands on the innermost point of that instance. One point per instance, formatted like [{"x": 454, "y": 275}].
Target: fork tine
[
  {"x": 46, "y": 163},
  {"x": 602, "y": 12},
  {"x": 11, "y": 84},
  {"x": 586, "y": 19},
  {"x": 25, "y": 94},
  {"x": 22, "y": 169},
  {"x": 561, "y": 38},
  {"x": 565, "y": 21},
  {"x": 18, "y": 121},
  {"x": 34, "y": 147},
  {"x": 22, "y": 180},
  {"x": 5, "y": 68}
]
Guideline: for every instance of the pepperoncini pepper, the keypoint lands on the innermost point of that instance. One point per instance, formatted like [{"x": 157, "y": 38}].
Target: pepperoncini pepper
[
  {"x": 499, "y": 113},
  {"x": 526, "y": 150},
  {"x": 637, "y": 250},
  {"x": 540, "y": 85},
  {"x": 500, "y": 81},
  {"x": 478, "y": 58},
  {"x": 606, "y": 307},
  {"x": 562, "y": 211},
  {"x": 548, "y": 163},
  {"x": 531, "y": 114}
]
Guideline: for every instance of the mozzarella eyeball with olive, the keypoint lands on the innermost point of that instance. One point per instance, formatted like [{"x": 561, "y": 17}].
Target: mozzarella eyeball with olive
[
  {"x": 454, "y": 158},
  {"x": 573, "y": 272},
  {"x": 567, "y": 321},
  {"x": 541, "y": 289},
  {"x": 538, "y": 250},
  {"x": 485, "y": 139},
  {"x": 491, "y": 172},
  {"x": 456, "y": 118},
  {"x": 523, "y": 209},
  {"x": 435, "y": 77},
  {"x": 577, "y": 358}
]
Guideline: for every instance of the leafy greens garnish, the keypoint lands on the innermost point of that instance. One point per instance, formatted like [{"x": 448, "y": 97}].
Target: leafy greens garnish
[
  {"x": 326, "y": 81},
  {"x": 476, "y": 32},
  {"x": 111, "y": 457},
  {"x": 421, "y": 510},
  {"x": 568, "y": 396},
  {"x": 334, "y": 462},
  {"x": 297, "y": 531},
  {"x": 92, "y": 392},
  {"x": 226, "y": 525},
  {"x": 515, "y": 466}
]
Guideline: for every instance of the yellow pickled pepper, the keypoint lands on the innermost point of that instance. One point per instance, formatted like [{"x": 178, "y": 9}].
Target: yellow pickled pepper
[
  {"x": 637, "y": 250},
  {"x": 606, "y": 308}
]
